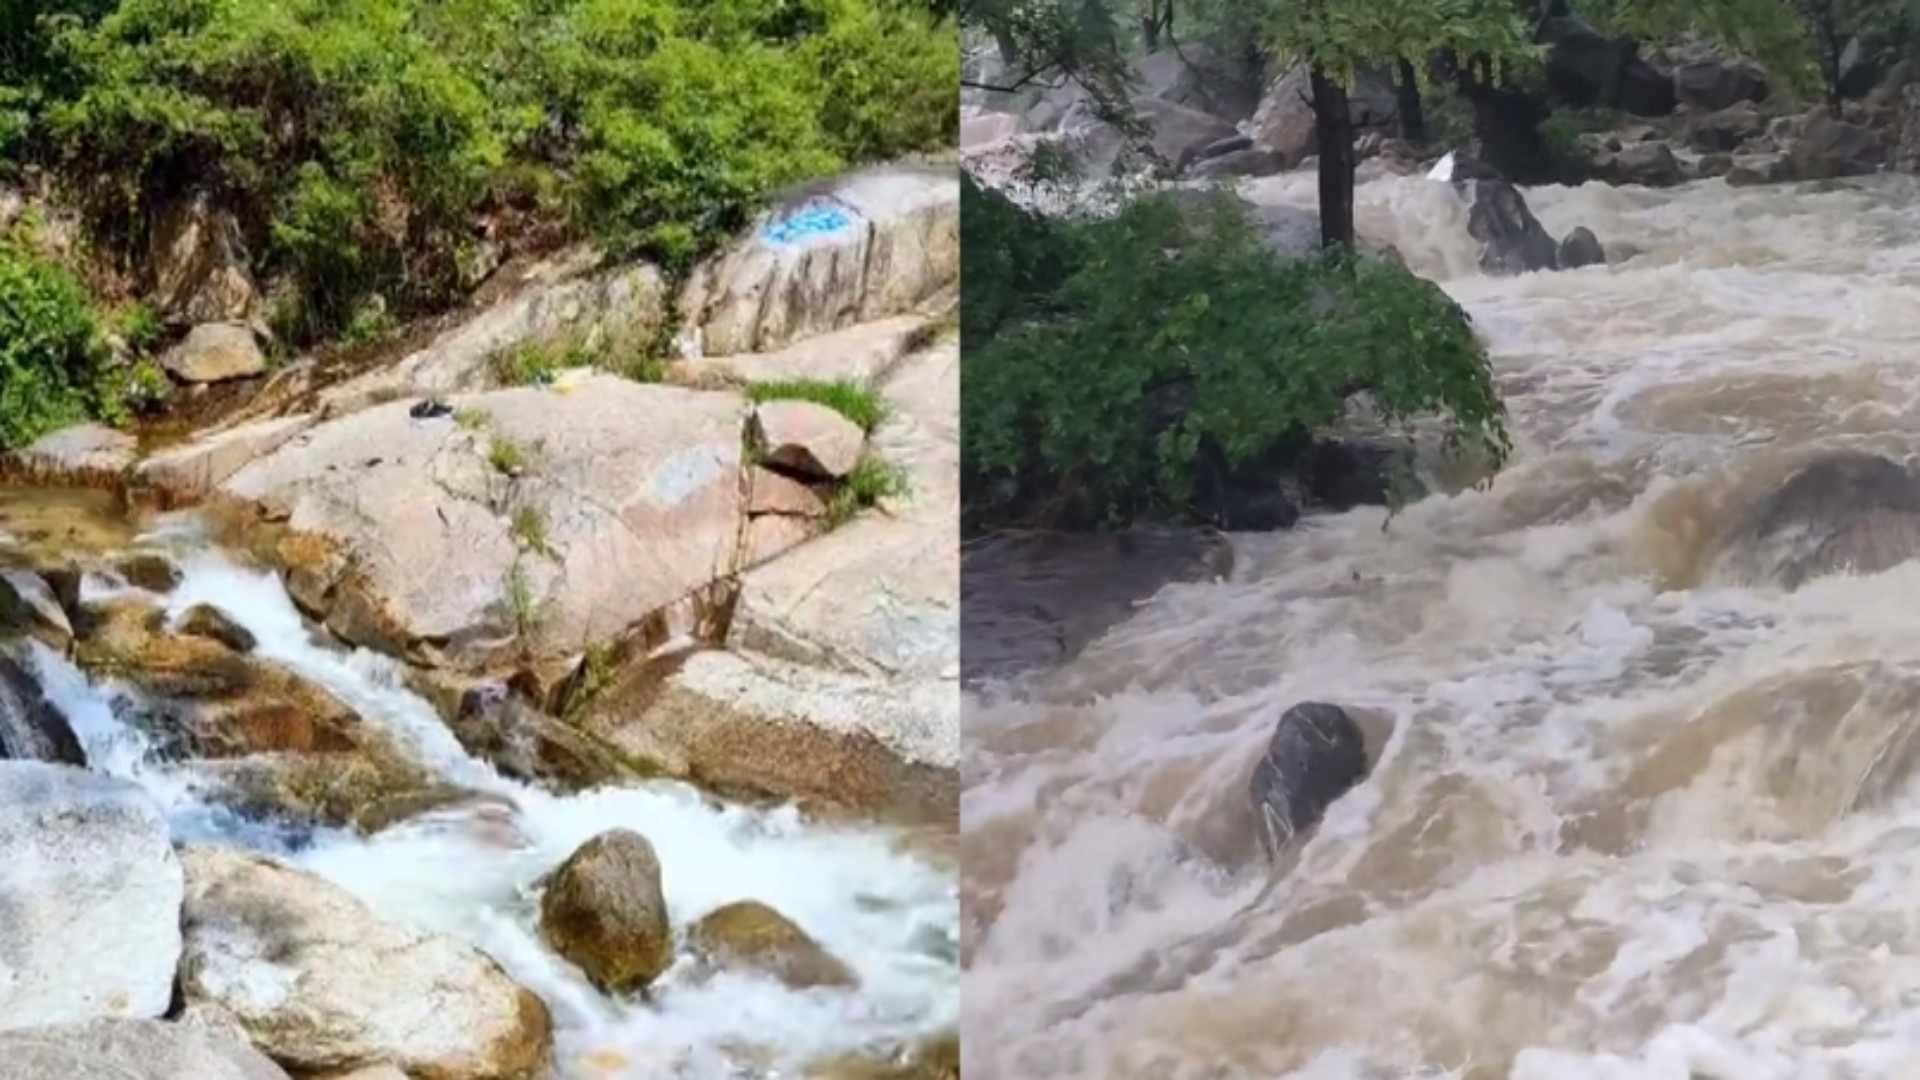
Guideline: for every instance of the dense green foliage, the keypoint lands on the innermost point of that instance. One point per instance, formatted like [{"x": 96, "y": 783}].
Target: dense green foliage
[
  {"x": 360, "y": 140},
  {"x": 1093, "y": 388},
  {"x": 54, "y": 369}
]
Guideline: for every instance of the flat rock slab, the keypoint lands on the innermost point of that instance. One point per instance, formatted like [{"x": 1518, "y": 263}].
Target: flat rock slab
[
  {"x": 879, "y": 596},
  {"x": 82, "y": 454},
  {"x": 407, "y": 526},
  {"x": 860, "y": 354},
  {"x": 865, "y": 246},
  {"x": 91, "y": 891},
  {"x": 131, "y": 1050},
  {"x": 191, "y": 471},
  {"x": 320, "y": 984},
  {"x": 567, "y": 299}
]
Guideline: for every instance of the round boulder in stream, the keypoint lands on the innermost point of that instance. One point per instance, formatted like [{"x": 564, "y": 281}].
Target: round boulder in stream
[
  {"x": 1317, "y": 754},
  {"x": 604, "y": 911},
  {"x": 753, "y": 936},
  {"x": 1848, "y": 513}
]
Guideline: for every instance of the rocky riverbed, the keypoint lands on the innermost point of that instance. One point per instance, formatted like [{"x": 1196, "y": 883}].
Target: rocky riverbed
[{"x": 414, "y": 718}]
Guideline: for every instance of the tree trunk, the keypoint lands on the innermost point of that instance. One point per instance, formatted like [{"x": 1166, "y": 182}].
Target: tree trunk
[
  {"x": 1333, "y": 131},
  {"x": 1413, "y": 118}
]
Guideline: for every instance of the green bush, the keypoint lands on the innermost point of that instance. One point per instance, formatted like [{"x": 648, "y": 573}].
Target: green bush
[
  {"x": 358, "y": 139},
  {"x": 1178, "y": 338},
  {"x": 54, "y": 369}
]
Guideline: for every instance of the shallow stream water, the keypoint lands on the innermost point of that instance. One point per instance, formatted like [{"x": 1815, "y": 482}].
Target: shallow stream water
[
  {"x": 1631, "y": 815},
  {"x": 872, "y": 896}
]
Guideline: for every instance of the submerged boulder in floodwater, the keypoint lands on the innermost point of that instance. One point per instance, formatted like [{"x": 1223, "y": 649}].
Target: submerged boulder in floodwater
[
  {"x": 1848, "y": 513},
  {"x": 90, "y": 894},
  {"x": 321, "y": 984},
  {"x": 1514, "y": 240},
  {"x": 604, "y": 911},
  {"x": 1317, "y": 754}
]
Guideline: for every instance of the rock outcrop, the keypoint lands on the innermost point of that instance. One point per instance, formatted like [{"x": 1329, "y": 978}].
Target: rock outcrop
[
  {"x": 91, "y": 891},
  {"x": 31, "y": 727},
  {"x": 320, "y": 985},
  {"x": 131, "y": 1050},
  {"x": 215, "y": 352},
  {"x": 199, "y": 264},
  {"x": 1514, "y": 242},
  {"x": 750, "y": 936},
  {"x": 1848, "y": 513},
  {"x": 603, "y": 910}
]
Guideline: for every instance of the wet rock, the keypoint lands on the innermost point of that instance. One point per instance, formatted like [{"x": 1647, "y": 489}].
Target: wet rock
[
  {"x": 1906, "y": 151},
  {"x": 1649, "y": 164},
  {"x": 1344, "y": 473},
  {"x": 1316, "y": 755},
  {"x": 394, "y": 531},
  {"x": 1512, "y": 239},
  {"x": 1580, "y": 248},
  {"x": 1828, "y": 148},
  {"x": 320, "y": 984},
  {"x": 215, "y": 352},
  {"x": 199, "y": 264},
  {"x": 603, "y": 911},
  {"x": 149, "y": 570},
  {"x": 28, "y": 606},
  {"x": 131, "y": 1050},
  {"x": 1251, "y": 162},
  {"x": 1848, "y": 513},
  {"x": 31, "y": 727},
  {"x": 1178, "y": 133},
  {"x": 207, "y": 621},
  {"x": 1750, "y": 170},
  {"x": 1861, "y": 65},
  {"x": 1218, "y": 147},
  {"x": 1713, "y": 84},
  {"x": 1712, "y": 165},
  {"x": 91, "y": 890},
  {"x": 898, "y": 246},
  {"x": 807, "y": 438},
  {"x": 1727, "y": 128},
  {"x": 750, "y": 935},
  {"x": 500, "y": 727}
]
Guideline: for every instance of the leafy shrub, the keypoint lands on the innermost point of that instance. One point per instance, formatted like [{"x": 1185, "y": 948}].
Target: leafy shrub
[
  {"x": 54, "y": 369},
  {"x": 1178, "y": 338}
]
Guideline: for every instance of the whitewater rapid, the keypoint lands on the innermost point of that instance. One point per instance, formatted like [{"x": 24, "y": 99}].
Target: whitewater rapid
[
  {"x": 1629, "y": 817},
  {"x": 867, "y": 894}
]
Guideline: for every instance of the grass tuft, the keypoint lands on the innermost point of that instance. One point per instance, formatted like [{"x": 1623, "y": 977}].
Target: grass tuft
[
  {"x": 506, "y": 456},
  {"x": 529, "y": 527},
  {"x": 873, "y": 479},
  {"x": 844, "y": 396}
]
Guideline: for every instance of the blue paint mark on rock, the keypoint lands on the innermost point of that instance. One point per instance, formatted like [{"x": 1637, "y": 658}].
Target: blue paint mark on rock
[{"x": 808, "y": 223}]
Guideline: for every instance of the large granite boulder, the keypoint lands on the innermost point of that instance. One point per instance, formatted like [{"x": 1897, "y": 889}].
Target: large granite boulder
[
  {"x": 604, "y": 910},
  {"x": 400, "y": 532},
  {"x": 91, "y": 892},
  {"x": 321, "y": 985},
  {"x": 1317, "y": 753},
  {"x": 131, "y": 1050},
  {"x": 199, "y": 264}
]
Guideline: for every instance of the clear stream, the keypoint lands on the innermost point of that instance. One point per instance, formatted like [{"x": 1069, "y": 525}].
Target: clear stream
[
  {"x": 1630, "y": 818},
  {"x": 867, "y": 895}
]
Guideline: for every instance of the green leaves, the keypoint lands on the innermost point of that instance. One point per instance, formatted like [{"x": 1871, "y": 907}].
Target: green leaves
[
  {"x": 1091, "y": 388},
  {"x": 53, "y": 369}
]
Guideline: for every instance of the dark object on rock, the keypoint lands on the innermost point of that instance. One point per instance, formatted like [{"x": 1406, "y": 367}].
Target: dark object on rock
[
  {"x": 1712, "y": 85},
  {"x": 1214, "y": 149},
  {"x": 1581, "y": 248},
  {"x": 1317, "y": 754},
  {"x": 207, "y": 621},
  {"x": 1856, "y": 513},
  {"x": 151, "y": 571},
  {"x": 31, "y": 727},
  {"x": 429, "y": 409},
  {"x": 1343, "y": 474},
  {"x": 1514, "y": 241}
]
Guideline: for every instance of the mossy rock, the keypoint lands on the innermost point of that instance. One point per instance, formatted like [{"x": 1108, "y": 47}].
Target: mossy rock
[
  {"x": 752, "y": 936},
  {"x": 604, "y": 911}
]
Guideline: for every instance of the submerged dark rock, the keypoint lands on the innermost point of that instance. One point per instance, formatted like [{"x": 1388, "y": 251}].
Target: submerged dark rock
[
  {"x": 1317, "y": 754},
  {"x": 1515, "y": 241},
  {"x": 1856, "y": 513},
  {"x": 31, "y": 727},
  {"x": 1581, "y": 248}
]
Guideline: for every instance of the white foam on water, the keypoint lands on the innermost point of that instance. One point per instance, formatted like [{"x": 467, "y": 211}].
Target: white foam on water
[
  {"x": 1633, "y": 820},
  {"x": 472, "y": 871}
]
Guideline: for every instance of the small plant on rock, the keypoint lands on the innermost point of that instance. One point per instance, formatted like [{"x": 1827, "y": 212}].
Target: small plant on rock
[
  {"x": 844, "y": 396},
  {"x": 873, "y": 479},
  {"x": 529, "y": 527},
  {"x": 472, "y": 419},
  {"x": 506, "y": 456}
]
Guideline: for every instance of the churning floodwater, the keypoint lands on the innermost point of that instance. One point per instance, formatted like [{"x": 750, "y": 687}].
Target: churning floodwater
[
  {"x": 869, "y": 895},
  {"x": 1632, "y": 814}
]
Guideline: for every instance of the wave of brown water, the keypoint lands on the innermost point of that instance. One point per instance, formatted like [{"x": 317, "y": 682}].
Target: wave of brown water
[{"x": 1630, "y": 817}]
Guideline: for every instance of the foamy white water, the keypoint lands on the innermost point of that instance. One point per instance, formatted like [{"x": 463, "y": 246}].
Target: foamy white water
[
  {"x": 1631, "y": 818},
  {"x": 471, "y": 871}
]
